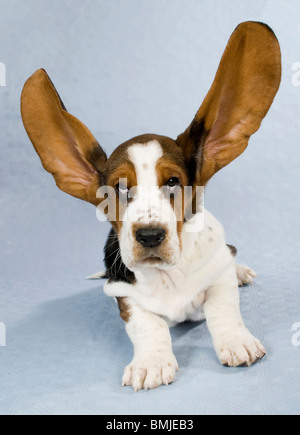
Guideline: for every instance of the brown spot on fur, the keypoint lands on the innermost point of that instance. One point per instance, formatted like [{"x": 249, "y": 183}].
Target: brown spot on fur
[
  {"x": 120, "y": 168},
  {"x": 233, "y": 250},
  {"x": 172, "y": 165},
  {"x": 124, "y": 309}
]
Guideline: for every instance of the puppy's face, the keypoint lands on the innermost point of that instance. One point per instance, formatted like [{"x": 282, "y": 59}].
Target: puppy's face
[{"x": 146, "y": 176}]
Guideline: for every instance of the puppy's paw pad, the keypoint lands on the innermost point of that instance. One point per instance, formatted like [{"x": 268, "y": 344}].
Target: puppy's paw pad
[
  {"x": 150, "y": 372},
  {"x": 241, "y": 351},
  {"x": 245, "y": 275}
]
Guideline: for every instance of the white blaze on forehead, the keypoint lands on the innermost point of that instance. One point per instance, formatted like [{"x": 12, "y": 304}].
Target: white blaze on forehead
[
  {"x": 149, "y": 203},
  {"x": 148, "y": 206},
  {"x": 144, "y": 158}
]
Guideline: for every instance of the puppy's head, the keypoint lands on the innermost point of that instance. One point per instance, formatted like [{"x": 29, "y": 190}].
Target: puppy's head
[
  {"x": 145, "y": 179},
  {"x": 143, "y": 186}
]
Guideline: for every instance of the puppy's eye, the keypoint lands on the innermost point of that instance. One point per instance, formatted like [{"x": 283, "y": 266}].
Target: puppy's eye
[
  {"x": 173, "y": 183},
  {"x": 121, "y": 189}
]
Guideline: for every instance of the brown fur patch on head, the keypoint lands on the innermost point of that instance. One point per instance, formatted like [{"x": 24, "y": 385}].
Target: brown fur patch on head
[
  {"x": 119, "y": 168},
  {"x": 171, "y": 165},
  {"x": 167, "y": 169}
]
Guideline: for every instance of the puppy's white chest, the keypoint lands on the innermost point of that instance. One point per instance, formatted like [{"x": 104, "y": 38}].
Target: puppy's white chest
[{"x": 174, "y": 295}]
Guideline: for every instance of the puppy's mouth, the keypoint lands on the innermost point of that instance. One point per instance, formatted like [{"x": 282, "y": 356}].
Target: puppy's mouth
[{"x": 152, "y": 259}]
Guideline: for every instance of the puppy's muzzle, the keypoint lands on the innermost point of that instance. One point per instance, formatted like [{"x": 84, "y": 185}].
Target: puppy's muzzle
[{"x": 150, "y": 237}]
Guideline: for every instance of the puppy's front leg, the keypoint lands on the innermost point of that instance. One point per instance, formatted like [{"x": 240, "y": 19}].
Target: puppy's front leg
[
  {"x": 153, "y": 363},
  {"x": 234, "y": 344}
]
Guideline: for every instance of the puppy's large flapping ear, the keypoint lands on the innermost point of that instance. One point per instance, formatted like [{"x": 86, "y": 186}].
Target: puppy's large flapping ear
[
  {"x": 245, "y": 85},
  {"x": 66, "y": 147}
]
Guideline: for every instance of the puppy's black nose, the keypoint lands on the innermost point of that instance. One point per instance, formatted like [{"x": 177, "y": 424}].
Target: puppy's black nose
[{"x": 150, "y": 237}]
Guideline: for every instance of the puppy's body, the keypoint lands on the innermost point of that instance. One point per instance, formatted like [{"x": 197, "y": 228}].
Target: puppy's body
[
  {"x": 166, "y": 257},
  {"x": 204, "y": 284}
]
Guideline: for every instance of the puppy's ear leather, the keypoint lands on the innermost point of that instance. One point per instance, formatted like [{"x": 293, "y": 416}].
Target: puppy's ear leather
[
  {"x": 67, "y": 149},
  {"x": 243, "y": 90}
]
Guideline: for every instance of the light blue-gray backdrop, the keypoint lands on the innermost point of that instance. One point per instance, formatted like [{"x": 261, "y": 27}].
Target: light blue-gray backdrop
[{"x": 126, "y": 67}]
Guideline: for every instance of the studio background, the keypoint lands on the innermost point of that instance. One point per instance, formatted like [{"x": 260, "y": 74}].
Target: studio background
[{"x": 127, "y": 67}]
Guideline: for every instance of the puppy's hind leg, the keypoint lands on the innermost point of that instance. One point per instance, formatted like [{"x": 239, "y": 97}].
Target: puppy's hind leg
[{"x": 245, "y": 275}]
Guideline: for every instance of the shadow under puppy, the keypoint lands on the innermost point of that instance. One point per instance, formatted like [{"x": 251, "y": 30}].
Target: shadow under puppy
[{"x": 164, "y": 264}]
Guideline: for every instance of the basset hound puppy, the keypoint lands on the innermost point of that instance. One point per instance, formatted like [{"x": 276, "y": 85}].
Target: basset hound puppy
[{"x": 166, "y": 257}]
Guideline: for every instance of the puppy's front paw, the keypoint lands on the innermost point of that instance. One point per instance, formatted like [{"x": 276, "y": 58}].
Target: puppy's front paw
[
  {"x": 150, "y": 371},
  {"x": 240, "y": 350},
  {"x": 245, "y": 275}
]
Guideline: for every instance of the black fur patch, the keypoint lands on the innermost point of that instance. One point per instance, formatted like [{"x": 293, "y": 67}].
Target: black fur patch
[
  {"x": 97, "y": 157},
  {"x": 198, "y": 133},
  {"x": 233, "y": 250},
  {"x": 116, "y": 271}
]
